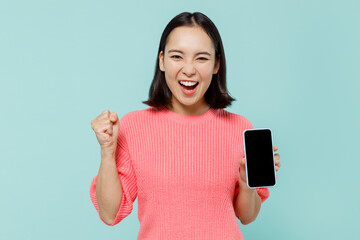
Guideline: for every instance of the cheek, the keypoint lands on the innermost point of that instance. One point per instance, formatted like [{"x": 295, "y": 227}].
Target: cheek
[
  {"x": 206, "y": 71},
  {"x": 172, "y": 68}
]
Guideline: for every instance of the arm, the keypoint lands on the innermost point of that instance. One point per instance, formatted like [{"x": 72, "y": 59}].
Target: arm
[
  {"x": 247, "y": 203},
  {"x": 108, "y": 187}
]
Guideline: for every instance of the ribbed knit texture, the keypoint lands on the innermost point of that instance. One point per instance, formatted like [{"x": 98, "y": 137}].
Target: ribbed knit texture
[{"x": 184, "y": 171}]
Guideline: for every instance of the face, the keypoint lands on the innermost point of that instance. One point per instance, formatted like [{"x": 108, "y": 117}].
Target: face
[{"x": 189, "y": 57}]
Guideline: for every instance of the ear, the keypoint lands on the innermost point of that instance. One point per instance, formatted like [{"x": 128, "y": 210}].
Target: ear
[
  {"x": 161, "y": 61},
  {"x": 217, "y": 65}
]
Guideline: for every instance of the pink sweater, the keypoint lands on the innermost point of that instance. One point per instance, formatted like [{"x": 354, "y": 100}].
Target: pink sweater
[{"x": 184, "y": 171}]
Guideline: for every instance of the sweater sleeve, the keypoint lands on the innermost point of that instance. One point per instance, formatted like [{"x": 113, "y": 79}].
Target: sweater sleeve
[{"x": 127, "y": 178}]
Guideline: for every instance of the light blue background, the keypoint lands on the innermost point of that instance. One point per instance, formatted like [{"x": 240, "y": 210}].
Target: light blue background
[{"x": 293, "y": 66}]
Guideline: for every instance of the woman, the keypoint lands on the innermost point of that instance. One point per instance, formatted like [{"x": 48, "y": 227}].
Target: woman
[{"x": 183, "y": 156}]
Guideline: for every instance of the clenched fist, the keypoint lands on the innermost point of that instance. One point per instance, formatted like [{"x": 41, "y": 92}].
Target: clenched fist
[{"x": 106, "y": 128}]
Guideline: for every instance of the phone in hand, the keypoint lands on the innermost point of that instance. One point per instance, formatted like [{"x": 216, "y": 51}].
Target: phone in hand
[{"x": 259, "y": 158}]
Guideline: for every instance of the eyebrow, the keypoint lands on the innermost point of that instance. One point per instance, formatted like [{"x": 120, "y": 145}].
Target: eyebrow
[{"x": 179, "y": 51}]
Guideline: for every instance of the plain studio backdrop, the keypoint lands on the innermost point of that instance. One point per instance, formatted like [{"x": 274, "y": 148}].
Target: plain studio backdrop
[{"x": 293, "y": 66}]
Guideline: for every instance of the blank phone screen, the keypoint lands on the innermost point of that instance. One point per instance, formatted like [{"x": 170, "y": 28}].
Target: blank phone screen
[{"x": 259, "y": 158}]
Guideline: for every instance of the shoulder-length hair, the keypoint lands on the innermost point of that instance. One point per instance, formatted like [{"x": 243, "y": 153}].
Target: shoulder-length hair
[{"x": 217, "y": 95}]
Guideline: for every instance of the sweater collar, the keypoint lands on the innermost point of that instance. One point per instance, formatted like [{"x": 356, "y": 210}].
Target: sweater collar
[{"x": 188, "y": 118}]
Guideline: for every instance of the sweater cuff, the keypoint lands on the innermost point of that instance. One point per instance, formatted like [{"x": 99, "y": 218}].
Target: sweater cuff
[{"x": 263, "y": 193}]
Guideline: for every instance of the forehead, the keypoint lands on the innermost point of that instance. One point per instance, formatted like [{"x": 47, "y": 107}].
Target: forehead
[{"x": 189, "y": 39}]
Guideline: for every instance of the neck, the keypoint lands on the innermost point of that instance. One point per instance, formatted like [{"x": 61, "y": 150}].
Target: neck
[{"x": 189, "y": 110}]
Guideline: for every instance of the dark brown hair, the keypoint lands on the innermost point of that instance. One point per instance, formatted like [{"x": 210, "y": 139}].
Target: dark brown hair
[{"x": 217, "y": 95}]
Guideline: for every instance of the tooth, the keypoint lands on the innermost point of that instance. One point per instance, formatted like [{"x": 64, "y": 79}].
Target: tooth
[{"x": 188, "y": 83}]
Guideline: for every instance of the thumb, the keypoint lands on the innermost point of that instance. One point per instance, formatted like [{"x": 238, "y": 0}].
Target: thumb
[
  {"x": 116, "y": 128},
  {"x": 113, "y": 117}
]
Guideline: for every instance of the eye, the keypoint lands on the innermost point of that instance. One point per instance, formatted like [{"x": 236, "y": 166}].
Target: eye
[
  {"x": 203, "y": 59},
  {"x": 176, "y": 57}
]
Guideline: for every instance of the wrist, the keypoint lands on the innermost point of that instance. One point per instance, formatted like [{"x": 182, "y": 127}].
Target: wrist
[
  {"x": 107, "y": 152},
  {"x": 244, "y": 186}
]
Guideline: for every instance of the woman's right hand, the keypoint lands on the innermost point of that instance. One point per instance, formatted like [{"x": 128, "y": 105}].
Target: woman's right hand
[{"x": 106, "y": 128}]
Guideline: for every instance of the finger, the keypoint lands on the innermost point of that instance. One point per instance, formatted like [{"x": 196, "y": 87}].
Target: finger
[
  {"x": 275, "y": 148},
  {"x": 109, "y": 130},
  {"x": 104, "y": 115},
  {"x": 277, "y": 156},
  {"x": 276, "y": 168},
  {"x": 277, "y": 163},
  {"x": 106, "y": 112}
]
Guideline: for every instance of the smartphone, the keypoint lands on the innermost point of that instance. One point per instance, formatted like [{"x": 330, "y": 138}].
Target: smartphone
[{"x": 259, "y": 158}]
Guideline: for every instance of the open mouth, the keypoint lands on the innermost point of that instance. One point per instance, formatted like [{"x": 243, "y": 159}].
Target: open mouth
[{"x": 189, "y": 87}]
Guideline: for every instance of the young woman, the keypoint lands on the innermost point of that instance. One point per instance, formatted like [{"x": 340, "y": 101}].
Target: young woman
[{"x": 183, "y": 156}]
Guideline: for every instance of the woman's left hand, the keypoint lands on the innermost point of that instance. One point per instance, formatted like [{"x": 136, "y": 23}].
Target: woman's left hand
[{"x": 243, "y": 171}]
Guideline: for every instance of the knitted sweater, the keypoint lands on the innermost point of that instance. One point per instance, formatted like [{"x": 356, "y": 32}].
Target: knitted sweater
[{"x": 184, "y": 171}]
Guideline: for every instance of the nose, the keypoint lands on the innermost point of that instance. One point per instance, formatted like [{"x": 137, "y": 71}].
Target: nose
[{"x": 188, "y": 69}]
